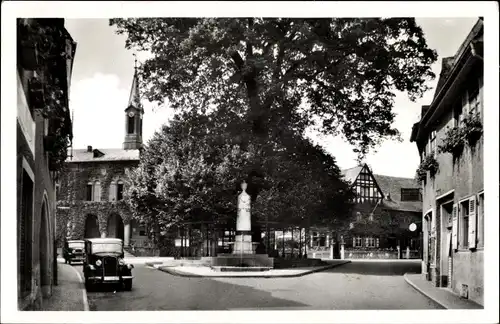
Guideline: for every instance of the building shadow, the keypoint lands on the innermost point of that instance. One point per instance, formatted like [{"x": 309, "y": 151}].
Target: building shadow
[{"x": 378, "y": 268}]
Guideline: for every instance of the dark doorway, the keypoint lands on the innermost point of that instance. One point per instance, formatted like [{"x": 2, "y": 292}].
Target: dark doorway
[
  {"x": 115, "y": 226},
  {"x": 91, "y": 227}
]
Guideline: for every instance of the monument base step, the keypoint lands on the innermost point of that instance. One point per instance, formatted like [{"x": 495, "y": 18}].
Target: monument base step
[
  {"x": 244, "y": 260},
  {"x": 240, "y": 269}
]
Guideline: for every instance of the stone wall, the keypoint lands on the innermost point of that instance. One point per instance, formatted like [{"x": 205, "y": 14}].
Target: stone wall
[
  {"x": 78, "y": 212},
  {"x": 370, "y": 254},
  {"x": 73, "y": 183},
  {"x": 72, "y": 195},
  {"x": 42, "y": 227}
]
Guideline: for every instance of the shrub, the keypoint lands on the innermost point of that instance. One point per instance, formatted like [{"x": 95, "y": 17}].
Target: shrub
[{"x": 429, "y": 163}]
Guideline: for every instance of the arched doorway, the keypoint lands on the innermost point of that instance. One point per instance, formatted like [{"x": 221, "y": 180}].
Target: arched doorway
[
  {"x": 115, "y": 226},
  {"x": 91, "y": 227},
  {"x": 43, "y": 246}
]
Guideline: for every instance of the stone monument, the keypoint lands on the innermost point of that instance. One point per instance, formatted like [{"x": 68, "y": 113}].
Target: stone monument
[
  {"x": 243, "y": 239},
  {"x": 243, "y": 256}
]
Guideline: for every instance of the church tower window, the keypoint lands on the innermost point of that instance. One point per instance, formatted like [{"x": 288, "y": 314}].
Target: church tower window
[{"x": 130, "y": 124}]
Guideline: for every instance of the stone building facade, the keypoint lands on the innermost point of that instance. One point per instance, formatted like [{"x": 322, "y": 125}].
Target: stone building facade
[
  {"x": 36, "y": 204},
  {"x": 449, "y": 133},
  {"x": 379, "y": 224},
  {"x": 90, "y": 191}
]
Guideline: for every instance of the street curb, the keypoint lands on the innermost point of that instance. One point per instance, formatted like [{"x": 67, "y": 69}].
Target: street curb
[
  {"x": 408, "y": 281},
  {"x": 180, "y": 274}
]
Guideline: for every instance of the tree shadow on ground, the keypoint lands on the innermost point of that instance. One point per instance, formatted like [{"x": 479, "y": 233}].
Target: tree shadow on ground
[
  {"x": 159, "y": 291},
  {"x": 382, "y": 268}
]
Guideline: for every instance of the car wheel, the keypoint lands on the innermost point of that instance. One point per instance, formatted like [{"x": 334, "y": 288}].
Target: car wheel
[{"x": 127, "y": 285}]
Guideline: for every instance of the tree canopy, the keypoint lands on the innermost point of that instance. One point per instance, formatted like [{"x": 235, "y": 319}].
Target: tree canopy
[
  {"x": 339, "y": 74},
  {"x": 191, "y": 171}
]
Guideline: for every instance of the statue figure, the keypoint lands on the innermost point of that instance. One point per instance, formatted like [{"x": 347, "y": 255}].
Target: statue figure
[{"x": 243, "y": 220}]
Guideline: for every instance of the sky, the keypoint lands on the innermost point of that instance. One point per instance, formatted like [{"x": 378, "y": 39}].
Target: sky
[{"x": 102, "y": 77}]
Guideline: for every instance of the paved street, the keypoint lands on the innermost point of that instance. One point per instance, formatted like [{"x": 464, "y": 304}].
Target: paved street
[{"x": 358, "y": 285}]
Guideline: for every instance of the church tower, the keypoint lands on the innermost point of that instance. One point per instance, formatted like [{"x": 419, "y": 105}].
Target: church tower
[{"x": 133, "y": 117}]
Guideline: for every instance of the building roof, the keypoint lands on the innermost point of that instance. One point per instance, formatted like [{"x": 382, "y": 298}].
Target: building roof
[
  {"x": 391, "y": 188},
  {"x": 113, "y": 154},
  {"x": 134, "y": 99},
  {"x": 446, "y": 65},
  {"x": 351, "y": 174},
  {"x": 451, "y": 67}
]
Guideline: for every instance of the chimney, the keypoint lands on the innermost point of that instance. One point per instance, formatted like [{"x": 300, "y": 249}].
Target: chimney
[{"x": 89, "y": 148}]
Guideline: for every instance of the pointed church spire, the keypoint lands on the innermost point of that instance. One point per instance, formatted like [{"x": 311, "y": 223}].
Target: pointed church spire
[{"x": 134, "y": 99}]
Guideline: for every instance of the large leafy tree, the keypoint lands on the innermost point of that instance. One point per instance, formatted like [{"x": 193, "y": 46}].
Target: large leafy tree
[
  {"x": 340, "y": 74},
  {"x": 191, "y": 171}
]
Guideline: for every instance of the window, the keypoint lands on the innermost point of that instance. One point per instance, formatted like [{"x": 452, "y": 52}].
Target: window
[
  {"x": 130, "y": 125},
  {"x": 315, "y": 238},
  {"x": 432, "y": 142},
  {"x": 370, "y": 217},
  {"x": 89, "y": 191},
  {"x": 371, "y": 242},
  {"x": 357, "y": 242},
  {"x": 142, "y": 231},
  {"x": 473, "y": 93},
  {"x": 480, "y": 220},
  {"x": 463, "y": 225},
  {"x": 57, "y": 191},
  {"x": 119, "y": 191},
  {"x": 410, "y": 194},
  {"x": 140, "y": 127},
  {"x": 97, "y": 191},
  {"x": 322, "y": 240},
  {"x": 359, "y": 217},
  {"x": 457, "y": 112}
]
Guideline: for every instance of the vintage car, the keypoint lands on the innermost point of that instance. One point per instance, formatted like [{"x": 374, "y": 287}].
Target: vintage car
[
  {"x": 104, "y": 263},
  {"x": 73, "y": 251}
]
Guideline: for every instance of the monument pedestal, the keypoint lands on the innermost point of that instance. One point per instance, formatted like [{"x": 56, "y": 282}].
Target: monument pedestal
[{"x": 243, "y": 244}]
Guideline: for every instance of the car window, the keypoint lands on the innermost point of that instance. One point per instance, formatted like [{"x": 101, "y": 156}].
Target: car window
[
  {"x": 106, "y": 247},
  {"x": 76, "y": 245}
]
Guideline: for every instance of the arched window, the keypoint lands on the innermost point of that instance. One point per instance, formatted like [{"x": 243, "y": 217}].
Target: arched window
[
  {"x": 119, "y": 190},
  {"x": 97, "y": 191},
  {"x": 112, "y": 191},
  {"x": 130, "y": 125},
  {"x": 90, "y": 191}
]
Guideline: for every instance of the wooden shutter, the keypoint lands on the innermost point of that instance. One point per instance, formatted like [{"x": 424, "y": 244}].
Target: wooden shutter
[
  {"x": 455, "y": 227},
  {"x": 472, "y": 222}
]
